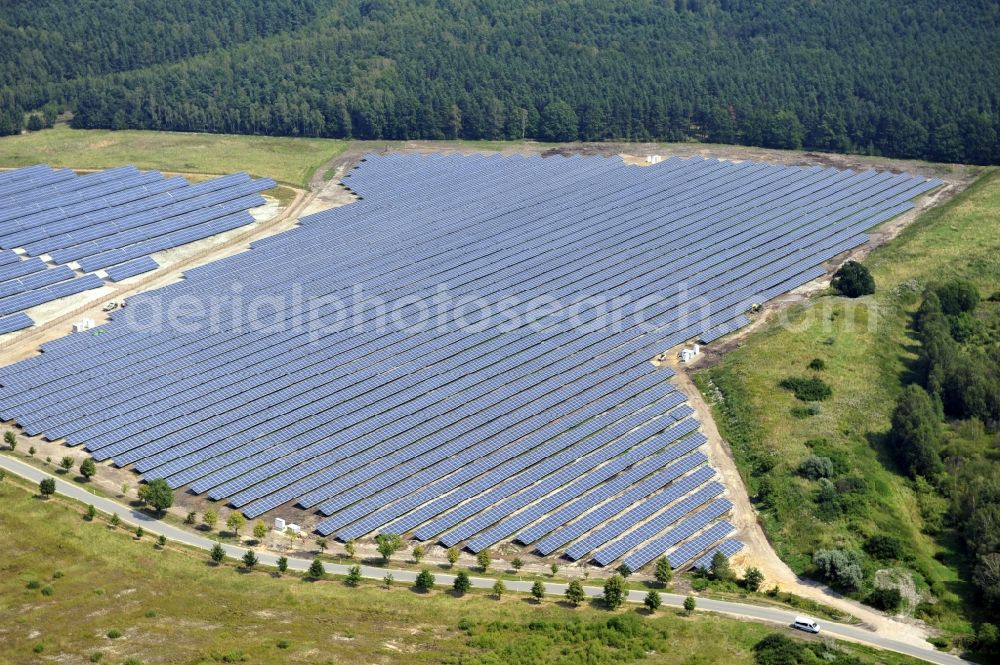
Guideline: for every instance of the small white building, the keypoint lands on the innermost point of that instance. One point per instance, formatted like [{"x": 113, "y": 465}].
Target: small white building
[
  {"x": 82, "y": 325},
  {"x": 654, "y": 159},
  {"x": 294, "y": 528},
  {"x": 687, "y": 355},
  {"x": 279, "y": 524}
]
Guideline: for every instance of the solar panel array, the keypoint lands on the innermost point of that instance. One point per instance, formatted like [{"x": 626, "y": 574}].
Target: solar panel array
[
  {"x": 490, "y": 379},
  {"x": 109, "y": 219}
]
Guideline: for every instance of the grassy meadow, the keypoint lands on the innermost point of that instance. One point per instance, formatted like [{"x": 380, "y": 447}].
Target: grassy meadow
[{"x": 291, "y": 161}]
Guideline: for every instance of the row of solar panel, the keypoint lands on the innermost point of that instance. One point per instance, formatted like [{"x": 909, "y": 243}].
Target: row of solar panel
[{"x": 340, "y": 422}]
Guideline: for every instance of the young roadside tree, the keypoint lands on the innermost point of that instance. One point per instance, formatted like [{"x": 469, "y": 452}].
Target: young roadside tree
[
  {"x": 235, "y": 522},
  {"x": 624, "y": 570},
  {"x": 483, "y": 559},
  {"x": 753, "y": 579},
  {"x": 66, "y": 463},
  {"x": 425, "y": 580},
  {"x": 157, "y": 495},
  {"x": 115, "y": 520},
  {"x": 316, "y": 570},
  {"x": 452, "y": 555},
  {"x": 139, "y": 532},
  {"x": 91, "y": 513},
  {"x": 388, "y": 544},
  {"x": 853, "y": 280},
  {"x": 249, "y": 559},
  {"x": 210, "y": 518},
  {"x": 664, "y": 573},
  {"x": 321, "y": 544},
  {"x": 418, "y": 553},
  {"x": 88, "y": 469},
  {"x": 555, "y": 569},
  {"x": 47, "y": 487},
  {"x": 538, "y": 591},
  {"x": 217, "y": 553},
  {"x": 191, "y": 517},
  {"x": 282, "y": 564},
  {"x": 351, "y": 548},
  {"x": 125, "y": 489},
  {"x": 499, "y": 589},
  {"x": 652, "y": 601},
  {"x": 574, "y": 593},
  {"x": 259, "y": 531},
  {"x": 31, "y": 451},
  {"x": 614, "y": 592},
  {"x": 10, "y": 439},
  {"x": 462, "y": 582},
  {"x": 161, "y": 541},
  {"x": 354, "y": 575},
  {"x": 387, "y": 581},
  {"x": 689, "y": 605},
  {"x": 517, "y": 564}
]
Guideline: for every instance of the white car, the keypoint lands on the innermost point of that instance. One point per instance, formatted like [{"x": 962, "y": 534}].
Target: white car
[{"x": 807, "y": 624}]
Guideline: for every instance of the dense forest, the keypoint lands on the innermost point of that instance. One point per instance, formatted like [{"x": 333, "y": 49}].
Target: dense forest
[{"x": 915, "y": 78}]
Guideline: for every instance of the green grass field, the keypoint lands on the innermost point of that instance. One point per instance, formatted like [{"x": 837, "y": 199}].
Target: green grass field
[
  {"x": 288, "y": 160},
  {"x": 68, "y": 583},
  {"x": 868, "y": 352}
]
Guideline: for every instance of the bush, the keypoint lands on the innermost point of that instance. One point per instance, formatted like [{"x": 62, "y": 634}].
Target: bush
[
  {"x": 853, "y": 280},
  {"x": 462, "y": 582},
  {"x": 805, "y": 389},
  {"x": 614, "y": 592},
  {"x": 425, "y": 580},
  {"x": 47, "y": 590},
  {"x": 354, "y": 575},
  {"x": 888, "y": 599},
  {"x": 957, "y": 296},
  {"x": 114, "y": 634},
  {"x": 34, "y": 584},
  {"x": 884, "y": 548},
  {"x": 575, "y": 593},
  {"x": 840, "y": 568},
  {"x": 817, "y": 364},
  {"x": 316, "y": 570},
  {"x": 47, "y": 487},
  {"x": 652, "y": 601},
  {"x": 815, "y": 467},
  {"x": 283, "y": 644},
  {"x": 777, "y": 649},
  {"x": 753, "y": 579}
]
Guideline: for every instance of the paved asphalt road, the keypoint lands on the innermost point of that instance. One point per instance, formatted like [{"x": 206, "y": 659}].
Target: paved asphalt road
[{"x": 741, "y": 610}]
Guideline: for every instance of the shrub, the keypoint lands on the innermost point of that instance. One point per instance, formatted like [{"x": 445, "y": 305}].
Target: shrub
[
  {"x": 614, "y": 592},
  {"x": 817, "y": 364},
  {"x": 462, "y": 582},
  {"x": 884, "y": 598},
  {"x": 47, "y": 590},
  {"x": 840, "y": 568},
  {"x": 853, "y": 280},
  {"x": 96, "y": 657},
  {"x": 388, "y": 544},
  {"x": 283, "y": 644},
  {"x": 218, "y": 554},
  {"x": 777, "y": 649},
  {"x": 652, "y": 601},
  {"x": 47, "y": 487},
  {"x": 282, "y": 564},
  {"x": 753, "y": 579},
  {"x": 425, "y": 580},
  {"x": 33, "y": 584},
  {"x": 114, "y": 634},
  {"x": 316, "y": 569},
  {"x": 354, "y": 575},
  {"x": 884, "y": 548},
  {"x": 957, "y": 296},
  {"x": 249, "y": 559},
  {"x": 807, "y": 389},
  {"x": 815, "y": 467},
  {"x": 38, "y": 648},
  {"x": 689, "y": 604},
  {"x": 499, "y": 588},
  {"x": 575, "y": 593}
]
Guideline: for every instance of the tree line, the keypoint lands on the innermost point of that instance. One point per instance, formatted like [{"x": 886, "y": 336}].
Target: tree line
[
  {"x": 945, "y": 425},
  {"x": 903, "y": 79}
]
